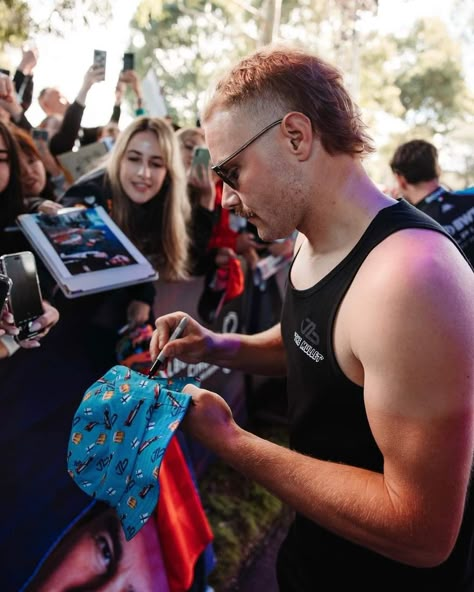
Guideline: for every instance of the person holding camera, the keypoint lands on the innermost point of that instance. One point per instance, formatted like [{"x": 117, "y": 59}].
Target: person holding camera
[
  {"x": 53, "y": 102},
  {"x": 9, "y": 343},
  {"x": 201, "y": 190},
  {"x": 13, "y": 204},
  {"x": 23, "y": 77},
  {"x": 37, "y": 182},
  {"x": 110, "y": 132},
  {"x": 13, "y": 109}
]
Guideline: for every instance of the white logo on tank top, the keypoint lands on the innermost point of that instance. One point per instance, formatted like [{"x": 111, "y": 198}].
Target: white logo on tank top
[{"x": 311, "y": 338}]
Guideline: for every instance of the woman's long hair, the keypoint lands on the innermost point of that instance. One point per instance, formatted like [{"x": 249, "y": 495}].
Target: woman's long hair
[
  {"x": 12, "y": 199},
  {"x": 29, "y": 150},
  {"x": 168, "y": 247}
]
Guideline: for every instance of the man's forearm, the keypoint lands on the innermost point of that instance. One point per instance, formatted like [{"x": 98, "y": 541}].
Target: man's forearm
[
  {"x": 262, "y": 353},
  {"x": 349, "y": 501}
]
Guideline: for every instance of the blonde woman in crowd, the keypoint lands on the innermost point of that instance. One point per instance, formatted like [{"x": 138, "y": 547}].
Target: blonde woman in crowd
[{"x": 142, "y": 186}]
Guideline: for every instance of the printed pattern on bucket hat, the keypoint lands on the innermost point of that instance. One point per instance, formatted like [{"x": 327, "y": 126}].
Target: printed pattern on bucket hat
[{"x": 119, "y": 435}]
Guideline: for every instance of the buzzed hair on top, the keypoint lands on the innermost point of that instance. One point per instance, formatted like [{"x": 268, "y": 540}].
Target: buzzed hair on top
[{"x": 279, "y": 79}]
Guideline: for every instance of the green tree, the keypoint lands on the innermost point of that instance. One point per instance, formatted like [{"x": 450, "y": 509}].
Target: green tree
[
  {"x": 412, "y": 87},
  {"x": 15, "y": 22},
  {"x": 430, "y": 77},
  {"x": 378, "y": 87},
  {"x": 416, "y": 78},
  {"x": 463, "y": 20},
  {"x": 61, "y": 16},
  {"x": 329, "y": 28},
  {"x": 186, "y": 43}
]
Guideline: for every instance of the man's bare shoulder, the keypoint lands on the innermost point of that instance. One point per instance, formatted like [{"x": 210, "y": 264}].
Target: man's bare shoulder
[
  {"x": 412, "y": 319},
  {"x": 415, "y": 287},
  {"x": 417, "y": 259}
]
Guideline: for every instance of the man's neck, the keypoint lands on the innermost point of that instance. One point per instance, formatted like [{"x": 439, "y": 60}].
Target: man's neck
[
  {"x": 418, "y": 192},
  {"x": 343, "y": 206}
]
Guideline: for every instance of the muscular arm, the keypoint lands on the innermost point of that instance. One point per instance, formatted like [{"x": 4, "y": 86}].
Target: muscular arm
[{"x": 408, "y": 331}]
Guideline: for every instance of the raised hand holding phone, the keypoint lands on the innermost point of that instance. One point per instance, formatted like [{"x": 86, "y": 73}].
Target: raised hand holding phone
[
  {"x": 100, "y": 60},
  {"x": 7, "y": 89},
  {"x": 128, "y": 61},
  {"x": 200, "y": 162},
  {"x": 200, "y": 177}
]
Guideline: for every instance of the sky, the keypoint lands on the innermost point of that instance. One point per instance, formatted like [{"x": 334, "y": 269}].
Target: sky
[
  {"x": 63, "y": 62},
  {"x": 398, "y": 16}
]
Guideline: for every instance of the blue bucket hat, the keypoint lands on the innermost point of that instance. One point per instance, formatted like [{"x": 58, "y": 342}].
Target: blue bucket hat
[{"x": 119, "y": 436}]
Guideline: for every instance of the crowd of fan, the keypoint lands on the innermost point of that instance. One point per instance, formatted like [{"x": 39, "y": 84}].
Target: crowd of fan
[{"x": 174, "y": 217}]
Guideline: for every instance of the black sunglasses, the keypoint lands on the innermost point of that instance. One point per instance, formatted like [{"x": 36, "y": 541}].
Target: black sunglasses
[{"x": 217, "y": 168}]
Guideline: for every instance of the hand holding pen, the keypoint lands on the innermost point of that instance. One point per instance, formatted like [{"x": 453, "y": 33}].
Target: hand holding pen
[{"x": 161, "y": 358}]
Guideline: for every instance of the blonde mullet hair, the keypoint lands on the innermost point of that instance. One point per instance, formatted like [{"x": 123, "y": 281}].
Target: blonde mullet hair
[{"x": 278, "y": 79}]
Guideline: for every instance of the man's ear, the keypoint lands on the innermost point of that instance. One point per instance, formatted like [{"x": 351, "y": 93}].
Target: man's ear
[{"x": 299, "y": 132}]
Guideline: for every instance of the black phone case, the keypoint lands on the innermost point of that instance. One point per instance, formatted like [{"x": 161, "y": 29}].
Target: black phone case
[
  {"x": 23, "y": 324},
  {"x": 5, "y": 285},
  {"x": 128, "y": 61},
  {"x": 100, "y": 59},
  {"x": 25, "y": 333}
]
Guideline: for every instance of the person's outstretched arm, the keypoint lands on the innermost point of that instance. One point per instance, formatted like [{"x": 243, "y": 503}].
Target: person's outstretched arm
[
  {"x": 23, "y": 77},
  {"x": 9, "y": 102},
  {"x": 64, "y": 139}
]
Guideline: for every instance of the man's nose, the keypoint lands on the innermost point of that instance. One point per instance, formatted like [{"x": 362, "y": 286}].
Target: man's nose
[{"x": 230, "y": 199}]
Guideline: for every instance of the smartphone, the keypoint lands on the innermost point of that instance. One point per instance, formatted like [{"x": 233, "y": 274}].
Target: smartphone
[
  {"x": 202, "y": 157},
  {"x": 40, "y": 134},
  {"x": 5, "y": 287},
  {"x": 24, "y": 300},
  {"x": 128, "y": 61},
  {"x": 100, "y": 59}
]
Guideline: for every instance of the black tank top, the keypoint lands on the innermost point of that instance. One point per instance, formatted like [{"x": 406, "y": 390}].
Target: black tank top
[{"x": 327, "y": 420}]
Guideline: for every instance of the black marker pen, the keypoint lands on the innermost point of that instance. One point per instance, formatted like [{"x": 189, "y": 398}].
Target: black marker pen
[{"x": 175, "y": 335}]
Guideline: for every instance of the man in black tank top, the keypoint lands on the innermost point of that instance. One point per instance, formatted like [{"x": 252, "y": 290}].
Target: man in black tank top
[{"x": 376, "y": 341}]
